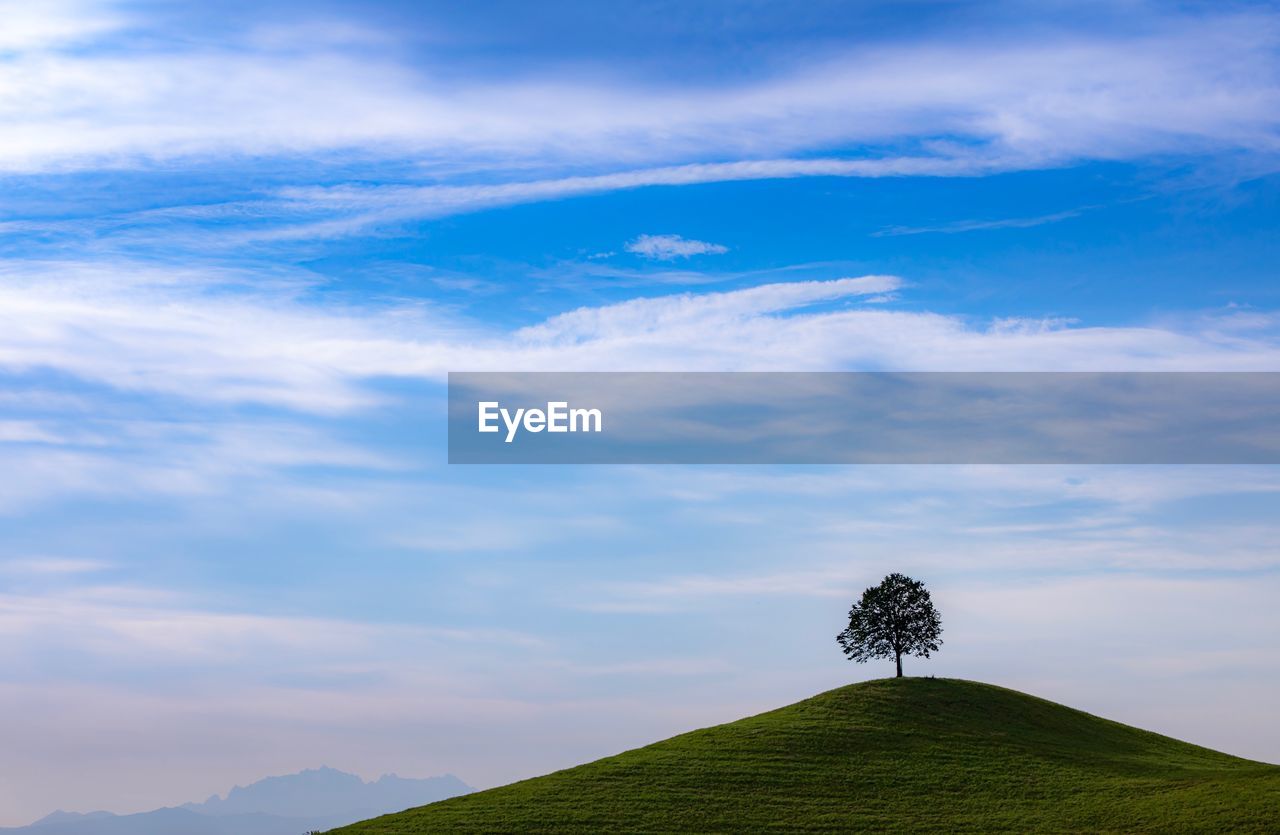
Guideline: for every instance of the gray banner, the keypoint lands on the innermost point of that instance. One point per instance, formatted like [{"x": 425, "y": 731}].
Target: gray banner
[{"x": 864, "y": 418}]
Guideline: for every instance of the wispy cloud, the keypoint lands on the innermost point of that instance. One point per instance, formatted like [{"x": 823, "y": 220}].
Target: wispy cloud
[
  {"x": 308, "y": 212},
  {"x": 32, "y": 28},
  {"x": 1190, "y": 83},
  {"x": 206, "y": 337},
  {"x": 671, "y": 247},
  {"x": 336, "y": 99},
  {"x": 980, "y": 225}
]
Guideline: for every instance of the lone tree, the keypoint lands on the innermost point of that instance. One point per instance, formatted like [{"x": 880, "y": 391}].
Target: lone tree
[{"x": 893, "y": 619}]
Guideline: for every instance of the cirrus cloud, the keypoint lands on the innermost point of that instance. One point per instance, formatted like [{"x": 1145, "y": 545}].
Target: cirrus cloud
[
  {"x": 214, "y": 336},
  {"x": 1182, "y": 83}
]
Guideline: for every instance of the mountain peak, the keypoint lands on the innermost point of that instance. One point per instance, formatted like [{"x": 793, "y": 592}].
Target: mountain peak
[
  {"x": 326, "y": 790},
  {"x": 60, "y": 816}
]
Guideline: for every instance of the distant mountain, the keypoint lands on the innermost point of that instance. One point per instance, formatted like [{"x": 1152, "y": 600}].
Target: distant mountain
[
  {"x": 176, "y": 822},
  {"x": 319, "y": 798},
  {"x": 327, "y": 791},
  {"x": 70, "y": 817}
]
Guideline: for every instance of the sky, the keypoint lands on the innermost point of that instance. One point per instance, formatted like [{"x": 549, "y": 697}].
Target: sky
[{"x": 242, "y": 244}]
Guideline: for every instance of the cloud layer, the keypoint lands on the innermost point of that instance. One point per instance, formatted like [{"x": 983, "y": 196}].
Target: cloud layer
[
  {"x": 1181, "y": 84},
  {"x": 205, "y": 336}
]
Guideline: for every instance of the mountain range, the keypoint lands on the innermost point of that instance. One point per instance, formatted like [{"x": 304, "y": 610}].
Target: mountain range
[{"x": 314, "y": 799}]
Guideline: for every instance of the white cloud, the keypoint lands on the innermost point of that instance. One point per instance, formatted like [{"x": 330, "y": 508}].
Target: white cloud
[
  {"x": 205, "y": 336},
  {"x": 1187, "y": 84},
  {"x": 670, "y": 247},
  {"x": 35, "y": 27},
  {"x": 335, "y": 211}
]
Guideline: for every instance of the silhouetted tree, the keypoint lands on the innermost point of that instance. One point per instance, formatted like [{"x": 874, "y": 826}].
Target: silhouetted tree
[{"x": 893, "y": 619}]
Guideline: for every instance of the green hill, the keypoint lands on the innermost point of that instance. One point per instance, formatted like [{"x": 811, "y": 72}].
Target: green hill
[{"x": 905, "y": 754}]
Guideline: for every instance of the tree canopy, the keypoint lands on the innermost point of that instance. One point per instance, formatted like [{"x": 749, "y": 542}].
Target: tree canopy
[{"x": 893, "y": 619}]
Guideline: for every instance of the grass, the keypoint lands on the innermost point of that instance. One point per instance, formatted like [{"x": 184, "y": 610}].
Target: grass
[{"x": 894, "y": 755}]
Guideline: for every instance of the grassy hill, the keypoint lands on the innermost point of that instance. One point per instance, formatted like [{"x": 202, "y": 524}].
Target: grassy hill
[{"x": 906, "y": 754}]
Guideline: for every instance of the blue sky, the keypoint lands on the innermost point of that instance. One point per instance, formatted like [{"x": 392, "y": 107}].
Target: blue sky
[{"x": 240, "y": 248}]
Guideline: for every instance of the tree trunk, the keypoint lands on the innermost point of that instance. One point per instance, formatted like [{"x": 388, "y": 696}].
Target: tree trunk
[{"x": 898, "y": 657}]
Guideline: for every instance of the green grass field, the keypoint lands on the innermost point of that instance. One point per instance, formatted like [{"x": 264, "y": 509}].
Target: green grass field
[{"x": 912, "y": 754}]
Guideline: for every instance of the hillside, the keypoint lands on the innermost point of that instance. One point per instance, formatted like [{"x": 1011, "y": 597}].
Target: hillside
[{"x": 890, "y": 755}]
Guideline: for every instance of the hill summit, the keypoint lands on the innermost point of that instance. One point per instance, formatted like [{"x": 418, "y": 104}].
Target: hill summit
[{"x": 910, "y": 754}]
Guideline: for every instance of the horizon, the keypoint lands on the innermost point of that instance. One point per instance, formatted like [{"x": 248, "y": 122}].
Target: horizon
[{"x": 242, "y": 248}]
